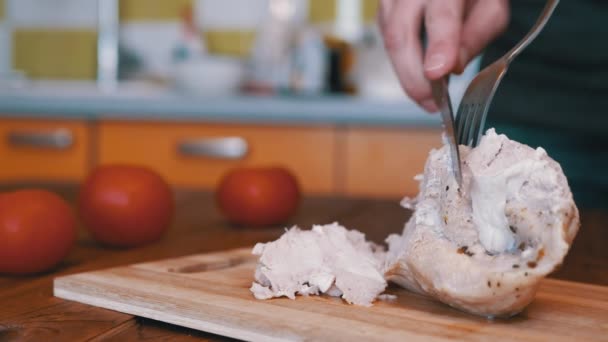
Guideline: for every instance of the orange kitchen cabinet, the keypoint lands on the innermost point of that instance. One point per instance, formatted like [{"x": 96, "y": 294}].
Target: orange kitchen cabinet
[
  {"x": 171, "y": 149},
  {"x": 382, "y": 162},
  {"x": 43, "y": 150}
]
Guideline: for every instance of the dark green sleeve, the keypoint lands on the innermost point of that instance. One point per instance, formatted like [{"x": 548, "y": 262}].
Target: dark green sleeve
[{"x": 561, "y": 79}]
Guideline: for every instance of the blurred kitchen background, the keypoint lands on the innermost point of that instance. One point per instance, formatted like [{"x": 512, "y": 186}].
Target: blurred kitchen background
[{"x": 193, "y": 88}]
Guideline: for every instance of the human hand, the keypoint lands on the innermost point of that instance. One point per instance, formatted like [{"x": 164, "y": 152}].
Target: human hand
[{"x": 457, "y": 31}]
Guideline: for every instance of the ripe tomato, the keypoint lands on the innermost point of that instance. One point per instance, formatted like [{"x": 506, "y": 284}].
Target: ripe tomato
[
  {"x": 125, "y": 206},
  {"x": 258, "y": 196},
  {"x": 37, "y": 230}
]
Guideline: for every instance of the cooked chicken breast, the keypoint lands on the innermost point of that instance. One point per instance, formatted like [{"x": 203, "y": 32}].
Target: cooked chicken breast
[
  {"x": 327, "y": 259},
  {"x": 484, "y": 247}
]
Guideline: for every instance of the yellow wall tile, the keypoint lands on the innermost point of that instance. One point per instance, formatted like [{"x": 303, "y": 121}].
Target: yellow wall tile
[
  {"x": 236, "y": 43},
  {"x": 320, "y": 11},
  {"x": 370, "y": 7},
  {"x": 2, "y": 9},
  {"x": 153, "y": 10},
  {"x": 55, "y": 54}
]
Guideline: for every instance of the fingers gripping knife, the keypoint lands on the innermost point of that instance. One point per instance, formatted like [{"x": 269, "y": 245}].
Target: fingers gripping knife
[{"x": 473, "y": 109}]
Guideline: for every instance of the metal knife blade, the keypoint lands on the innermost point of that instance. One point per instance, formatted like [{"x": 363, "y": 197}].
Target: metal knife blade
[{"x": 442, "y": 98}]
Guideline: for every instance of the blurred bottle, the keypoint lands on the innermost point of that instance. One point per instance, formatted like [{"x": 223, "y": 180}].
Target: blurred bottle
[
  {"x": 341, "y": 59},
  {"x": 270, "y": 63},
  {"x": 288, "y": 55},
  {"x": 308, "y": 73},
  {"x": 373, "y": 72},
  {"x": 190, "y": 45},
  {"x": 341, "y": 39}
]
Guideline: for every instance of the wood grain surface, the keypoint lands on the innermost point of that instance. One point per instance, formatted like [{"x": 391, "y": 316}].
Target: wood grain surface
[
  {"x": 210, "y": 292},
  {"x": 29, "y": 312}
]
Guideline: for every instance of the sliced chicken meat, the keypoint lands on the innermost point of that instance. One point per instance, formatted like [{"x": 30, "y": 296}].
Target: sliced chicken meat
[
  {"x": 482, "y": 247},
  {"x": 325, "y": 260}
]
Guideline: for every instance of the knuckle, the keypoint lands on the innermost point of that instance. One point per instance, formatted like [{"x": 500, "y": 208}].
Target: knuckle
[
  {"x": 500, "y": 14},
  {"x": 440, "y": 14},
  {"x": 393, "y": 39}
]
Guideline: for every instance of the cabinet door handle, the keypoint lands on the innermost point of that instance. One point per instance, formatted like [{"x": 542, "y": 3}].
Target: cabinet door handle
[
  {"x": 59, "y": 139},
  {"x": 220, "y": 148}
]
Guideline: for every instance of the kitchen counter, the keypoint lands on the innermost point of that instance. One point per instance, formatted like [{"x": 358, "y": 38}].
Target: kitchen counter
[
  {"x": 141, "y": 100},
  {"x": 29, "y": 312},
  {"x": 133, "y": 101}
]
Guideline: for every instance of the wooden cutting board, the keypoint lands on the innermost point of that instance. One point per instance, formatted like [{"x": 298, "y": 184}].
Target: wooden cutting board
[{"x": 210, "y": 292}]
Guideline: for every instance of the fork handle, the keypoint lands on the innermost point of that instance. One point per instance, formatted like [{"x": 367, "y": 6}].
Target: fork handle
[{"x": 540, "y": 24}]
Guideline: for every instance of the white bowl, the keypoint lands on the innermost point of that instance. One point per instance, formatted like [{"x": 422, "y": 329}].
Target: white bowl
[{"x": 209, "y": 76}]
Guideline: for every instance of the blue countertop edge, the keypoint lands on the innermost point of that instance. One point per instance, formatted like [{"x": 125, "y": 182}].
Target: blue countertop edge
[{"x": 336, "y": 110}]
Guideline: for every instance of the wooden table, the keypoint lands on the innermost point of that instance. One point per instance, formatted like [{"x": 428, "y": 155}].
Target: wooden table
[{"x": 29, "y": 312}]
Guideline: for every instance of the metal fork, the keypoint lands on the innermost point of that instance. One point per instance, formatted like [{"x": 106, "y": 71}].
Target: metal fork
[{"x": 473, "y": 109}]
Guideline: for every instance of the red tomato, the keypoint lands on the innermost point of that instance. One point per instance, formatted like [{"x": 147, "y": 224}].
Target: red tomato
[
  {"x": 125, "y": 206},
  {"x": 37, "y": 230},
  {"x": 258, "y": 196}
]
